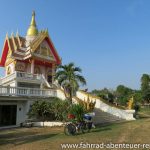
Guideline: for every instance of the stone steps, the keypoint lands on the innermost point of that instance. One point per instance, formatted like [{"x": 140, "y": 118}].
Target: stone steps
[
  {"x": 101, "y": 117},
  {"x": 104, "y": 117},
  {"x": 105, "y": 107}
]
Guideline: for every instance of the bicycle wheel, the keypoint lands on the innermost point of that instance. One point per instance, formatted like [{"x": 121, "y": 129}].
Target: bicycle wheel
[
  {"x": 82, "y": 127},
  {"x": 89, "y": 126},
  {"x": 70, "y": 129}
]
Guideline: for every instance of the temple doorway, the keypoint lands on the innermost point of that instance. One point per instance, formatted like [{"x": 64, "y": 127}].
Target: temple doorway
[
  {"x": 49, "y": 79},
  {"x": 8, "y": 115}
]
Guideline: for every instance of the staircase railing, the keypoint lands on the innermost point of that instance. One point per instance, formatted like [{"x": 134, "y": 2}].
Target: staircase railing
[
  {"x": 20, "y": 75},
  {"x": 124, "y": 114},
  {"x": 7, "y": 78}
]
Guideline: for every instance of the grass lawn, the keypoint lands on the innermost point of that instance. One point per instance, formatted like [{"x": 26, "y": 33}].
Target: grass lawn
[
  {"x": 145, "y": 111},
  {"x": 50, "y": 138}
]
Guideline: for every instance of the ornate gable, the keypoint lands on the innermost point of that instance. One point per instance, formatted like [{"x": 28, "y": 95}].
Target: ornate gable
[
  {"x": 43, "y": 48},
  {"x": 36, "y": 45},
  {"x": 43, "y": 51}
]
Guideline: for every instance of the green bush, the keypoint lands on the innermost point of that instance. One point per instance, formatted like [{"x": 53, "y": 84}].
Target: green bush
[
  {"x": 77, "y": 110},
  {"x": 137, "y": 109},
  {"x": 55, "y": 109},
  {"x": 60, "y": 109},
  {"x": 41, "y": 110},
  {"x": 48, "y": 110}
]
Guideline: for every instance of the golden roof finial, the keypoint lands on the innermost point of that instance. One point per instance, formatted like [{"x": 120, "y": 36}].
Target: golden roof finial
[
  {"x": 17, "y": 33},
  {"x": 12, "y": 34},
  {"x": 33, "y": 23},
  {"x": 7, "y": 34},
  {"x": 32, "y": 30}
]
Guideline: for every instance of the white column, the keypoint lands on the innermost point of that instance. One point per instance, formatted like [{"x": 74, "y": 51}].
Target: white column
[
  {"x": 32, "y": 66},
  {"x": 53, "y": 72}
]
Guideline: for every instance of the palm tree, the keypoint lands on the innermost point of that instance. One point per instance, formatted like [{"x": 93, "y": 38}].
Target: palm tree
[{"x": 68, "y": 76}]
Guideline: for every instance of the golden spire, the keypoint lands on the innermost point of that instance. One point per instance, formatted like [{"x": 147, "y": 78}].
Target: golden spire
[{"x": 32, "y": 30}]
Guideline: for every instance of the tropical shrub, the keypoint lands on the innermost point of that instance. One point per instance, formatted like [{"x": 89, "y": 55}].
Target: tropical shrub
[
  {"x": 41, "y": 110},
  {"x": 48, "y": 110},
  {"x": 77, "y": 110},
  {"x": 60, "y": 109},
  {"x": 137, "y": 109}
]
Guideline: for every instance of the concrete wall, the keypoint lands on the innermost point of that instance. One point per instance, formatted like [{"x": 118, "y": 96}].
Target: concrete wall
[
  {"x": 12, "y": 84},
  {"x": 47, "y": 124},
  {"x": 60, "y": 94}
]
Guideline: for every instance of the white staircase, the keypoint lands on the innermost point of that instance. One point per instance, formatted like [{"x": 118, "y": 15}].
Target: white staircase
[
  {"x": 102, "y": 117},
  {"x": 45, "y": 81},
  {"x": 103, "y": 112},
  {"x": 100, "y": 105}
]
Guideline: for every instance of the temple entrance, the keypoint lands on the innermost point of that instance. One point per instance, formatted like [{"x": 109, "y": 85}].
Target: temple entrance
[
  {"x": 8, "y": 115},
  {"x": 49, "y": 79}
]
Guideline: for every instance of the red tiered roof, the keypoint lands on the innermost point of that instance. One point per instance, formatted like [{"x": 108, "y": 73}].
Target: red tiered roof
[{"x": 20, "y": 52}]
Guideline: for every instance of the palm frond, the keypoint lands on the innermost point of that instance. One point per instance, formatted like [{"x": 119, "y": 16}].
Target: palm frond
[
  {"x": 81, "y": 79},
  {"x": 69, "y": 78},
  {"x": 77, "y": 69}
]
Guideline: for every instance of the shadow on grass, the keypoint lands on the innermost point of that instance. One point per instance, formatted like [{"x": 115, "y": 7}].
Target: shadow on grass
[
  {"x": 35, "y": 138},
  {"x": 15, "y": 135},
  {"x": 104, "y": 127},
  {"x": 93, "y": 130},
  {"x": 23, "y": 138},
  {"x": 101, "y": 129},
  {"x": 143, "y": 116},
  {"x": 108, "y": 124}
]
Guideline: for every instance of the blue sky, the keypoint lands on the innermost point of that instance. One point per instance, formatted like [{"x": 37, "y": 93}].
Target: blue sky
[{"x": 108, "y": 39}]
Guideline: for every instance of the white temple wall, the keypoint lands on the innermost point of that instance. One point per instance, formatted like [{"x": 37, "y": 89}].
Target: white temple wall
[
  {"x": 21, "y": 110},
  {"x": 11, "y": 84}
]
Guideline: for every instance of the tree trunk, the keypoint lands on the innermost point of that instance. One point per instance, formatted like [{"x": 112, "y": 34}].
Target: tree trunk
[{"x": 70, "y": 95}]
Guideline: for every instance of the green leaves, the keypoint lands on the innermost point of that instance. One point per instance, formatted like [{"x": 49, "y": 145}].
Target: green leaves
[
  {"x": 54, "y": 109},
  {"x": 40, "y": 110},
  {"x": 78, "y": 110},
  {"x": 60, "y": 109},
  {"x": 145, "y": 87},
  {"x": 69, "y": 78}
]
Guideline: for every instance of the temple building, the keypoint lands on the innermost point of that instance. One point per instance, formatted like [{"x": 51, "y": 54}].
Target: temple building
[{"x": 30, "y": 63}]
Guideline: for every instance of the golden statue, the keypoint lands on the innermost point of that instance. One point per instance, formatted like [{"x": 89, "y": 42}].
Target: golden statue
[
  {"x": 89, "y": 104},
  {"x": 130, "y": 103}
]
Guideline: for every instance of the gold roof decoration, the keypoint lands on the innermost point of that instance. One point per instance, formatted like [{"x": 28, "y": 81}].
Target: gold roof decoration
[
  {"x": 37, "y": 41},
  {"x": 15, "y": 42},
  {"x": 15, "y": 46},
  {"x": 32, "y": 30}
]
